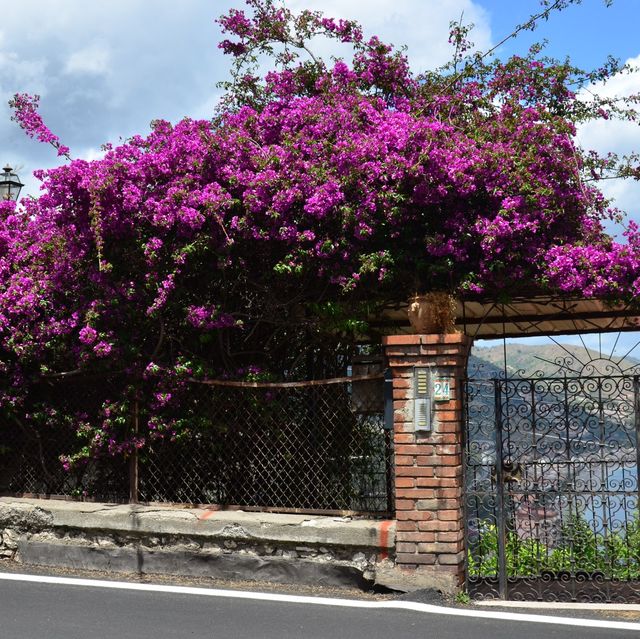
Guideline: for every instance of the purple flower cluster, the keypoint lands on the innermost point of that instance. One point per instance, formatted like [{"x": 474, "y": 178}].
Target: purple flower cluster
[
  {"x": 26, "y": 114},
  {"x": 209, "y": 318},
  {"x": 318, "y": 185}
]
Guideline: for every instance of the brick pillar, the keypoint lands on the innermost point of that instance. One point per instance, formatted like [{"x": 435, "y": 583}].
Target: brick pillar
[{"x": 428, "y": 465}]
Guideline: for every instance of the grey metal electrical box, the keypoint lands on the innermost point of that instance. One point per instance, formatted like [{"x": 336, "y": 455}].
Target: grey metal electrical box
[
  {"x": 388, "y": 399},
  {"x": 422, "y": 399}
]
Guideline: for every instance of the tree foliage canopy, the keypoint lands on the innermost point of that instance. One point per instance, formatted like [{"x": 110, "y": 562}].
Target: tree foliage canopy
[{"x": 237, "y": 245}]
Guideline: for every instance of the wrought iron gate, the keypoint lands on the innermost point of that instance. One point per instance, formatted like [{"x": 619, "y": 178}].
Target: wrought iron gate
[{"x": 551, "y": 488}]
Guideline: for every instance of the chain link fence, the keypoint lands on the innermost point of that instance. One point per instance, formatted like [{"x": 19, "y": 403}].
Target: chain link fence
[
  {"x": 311, "y": 446},
  {"x": 32, "y": 444}
]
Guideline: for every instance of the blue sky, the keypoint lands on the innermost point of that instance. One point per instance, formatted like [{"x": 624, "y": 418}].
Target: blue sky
[
  {"x": 588, "y": 32},
  {"x": 106, "y": 68}
]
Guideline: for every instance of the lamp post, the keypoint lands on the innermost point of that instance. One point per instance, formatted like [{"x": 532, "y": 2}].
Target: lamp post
[{"x": 10, "y": 184}]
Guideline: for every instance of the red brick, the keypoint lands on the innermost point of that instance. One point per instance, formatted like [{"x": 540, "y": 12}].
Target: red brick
[
  {"x": 406, "y": 482},
  {"x": 414, "y": 471},
  {"x": 448, "y": 493},
  {"x": 446, "y": 357},
  {"x": 451, "y": 559},
  {"x": 449, "y": 536},
  {"x": 401, "y": 359},
  {"x": 449, "y": 471},
  {"x": 427, "y": 504},
  {"x": 448, "y": 449},
  {"x": 442, "y": 338},
  {"x": 415, "y": 493},
  {"x": 434, "y": 338},
  {"x": 404, "y": 427},
  {"x": 407, "y": 347},
  {"x": 450, "y": 515},
  {"x": 459, "y": 338},
  {"x": 403, "y": 372},
  {"x": 450, "y": 482},
  {"x": 416, "y": 515},
  {"x": 405, "y": 558},
  {"x": 448, "y": 438},
  {"x": 449, "y": 427},
  {"x": 400, "y": 340},
  {"x": 447, "y": 461},
  {"x": 443, "y": 415},
  {"x": 438, "y": 548},
  {"x": 405, "y": 504},
  {"x": 428, "y": 482},
  {"x": 441, "y": 548},
  {"x": 404, "y": 460},
  {"x": 426, "y": 538},
  {"x": 400, "y": 354},
  {"x": 406, "y": 526},
  {"x": 446, "y": 504},
  {"x": 414, "y": 449},
  {"x": 438, "y": 526},
  {"x": 403, "y": 438},
  {"x": 420, "y": 537},
  {"x": 406, "y": 547}
]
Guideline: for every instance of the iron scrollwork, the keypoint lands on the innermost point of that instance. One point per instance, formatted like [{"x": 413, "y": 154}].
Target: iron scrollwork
[{"x": 551, "y": 487}]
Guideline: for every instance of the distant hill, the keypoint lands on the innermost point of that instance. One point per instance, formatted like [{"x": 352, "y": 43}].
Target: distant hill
[
  {"x": 481, "y": 368},
  {"x": 549, "y": 360},
  {"x": 598, "y": 409}
]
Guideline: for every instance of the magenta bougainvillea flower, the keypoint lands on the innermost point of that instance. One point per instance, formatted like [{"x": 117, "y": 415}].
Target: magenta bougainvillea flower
[{"x": 314, "y": 190}]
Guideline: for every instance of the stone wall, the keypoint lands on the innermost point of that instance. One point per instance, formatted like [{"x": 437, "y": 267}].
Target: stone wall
[
  {"x": 269, "y": 547},
  {"x": 423, "y": 548}
]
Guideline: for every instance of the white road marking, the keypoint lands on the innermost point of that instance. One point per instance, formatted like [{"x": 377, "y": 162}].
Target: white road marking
[{"x": 323, "y": 601}]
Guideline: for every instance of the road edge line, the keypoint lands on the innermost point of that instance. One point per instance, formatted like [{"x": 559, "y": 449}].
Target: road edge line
[{"x": 321, "y": 601}]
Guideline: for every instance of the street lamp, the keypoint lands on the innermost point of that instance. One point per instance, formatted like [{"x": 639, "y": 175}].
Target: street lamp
[{"x": 10, "y": 184}]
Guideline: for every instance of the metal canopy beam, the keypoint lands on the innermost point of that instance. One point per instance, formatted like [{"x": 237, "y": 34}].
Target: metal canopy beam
[{"x": 526, "y": 316}]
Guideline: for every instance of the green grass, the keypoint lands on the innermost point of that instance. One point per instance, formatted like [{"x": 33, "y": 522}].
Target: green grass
[{"x": 579, "y": 549}]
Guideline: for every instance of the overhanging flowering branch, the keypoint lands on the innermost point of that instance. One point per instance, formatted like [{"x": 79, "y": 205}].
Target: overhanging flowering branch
[
  {"x": 263, "y": 239},
  {"x": 26, "y": 114}
]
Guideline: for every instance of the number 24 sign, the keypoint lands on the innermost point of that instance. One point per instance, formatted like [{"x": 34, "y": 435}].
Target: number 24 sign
[{"x": 441, "y": 389}]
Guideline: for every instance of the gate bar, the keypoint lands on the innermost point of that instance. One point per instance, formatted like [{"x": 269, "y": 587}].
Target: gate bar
[
  {"x": 501, "y": 523},
  {"x": 636, "y": 409}
]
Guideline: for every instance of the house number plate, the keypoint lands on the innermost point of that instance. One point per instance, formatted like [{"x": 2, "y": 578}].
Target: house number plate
[{"x": 441, "y": 389}]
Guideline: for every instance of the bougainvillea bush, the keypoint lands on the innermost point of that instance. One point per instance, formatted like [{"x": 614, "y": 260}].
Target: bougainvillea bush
[{"x": 244, "y": 245}]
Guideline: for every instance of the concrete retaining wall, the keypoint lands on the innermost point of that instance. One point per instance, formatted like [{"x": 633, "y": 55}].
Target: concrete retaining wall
[{"x": 279, "y": 548}]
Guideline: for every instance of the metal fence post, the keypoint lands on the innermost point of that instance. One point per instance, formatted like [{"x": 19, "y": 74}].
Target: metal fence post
[
  {"x": 500, "y": 510},
  {"x": 388, "y": 439},
  {"x": 636, "y": 411},
  {"x": 133, "y": 458}
]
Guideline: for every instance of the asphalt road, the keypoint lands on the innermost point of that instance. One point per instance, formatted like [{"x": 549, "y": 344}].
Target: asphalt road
[{"x": 32, "y": 609}]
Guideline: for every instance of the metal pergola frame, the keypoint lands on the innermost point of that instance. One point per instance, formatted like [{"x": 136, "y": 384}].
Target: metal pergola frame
[{"x": 526, "y": 316}]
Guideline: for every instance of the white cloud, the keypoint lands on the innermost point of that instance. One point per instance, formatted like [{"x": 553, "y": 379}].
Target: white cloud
[
  {"x": 91, "y": 153},
  {"x": 19, "y": 73},
  {"x": 422, "y": 25},
  {"x": 616, "y": 136},
  {"x": 94, "y": 59},
  {"x": 106, "y": 69}
]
